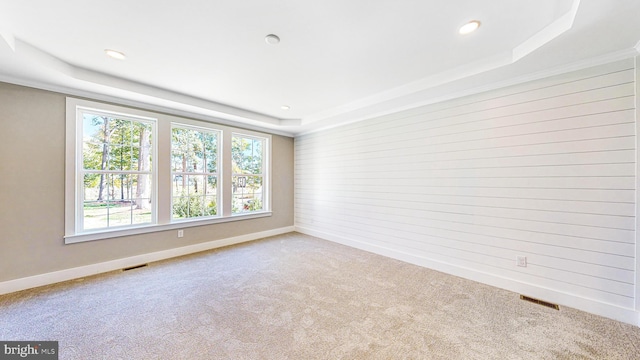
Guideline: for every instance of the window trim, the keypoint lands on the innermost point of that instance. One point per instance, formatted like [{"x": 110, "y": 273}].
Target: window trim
[
  {"x": 162, "y": 172},
  {"x": 266, "y": 170},
  {"x": 79, "y": 170},
  {"x": 217, "y": 174}
]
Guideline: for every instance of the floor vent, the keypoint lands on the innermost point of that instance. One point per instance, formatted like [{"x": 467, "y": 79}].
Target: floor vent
[
  {"x": 134, "y": 267},
  {"x": 540, "y": 302}
]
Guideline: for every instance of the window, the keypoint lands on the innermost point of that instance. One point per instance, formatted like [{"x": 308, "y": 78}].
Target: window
[
  {"x": 131, "y": 171},
  {"x": 248, "y": 166},
  {"x": 194, "y": 171},
  {"x": 116, "y": 171}
]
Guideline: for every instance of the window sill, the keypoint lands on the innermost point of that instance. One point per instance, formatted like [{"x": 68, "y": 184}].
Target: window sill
[{"x": 90, "y": 236}]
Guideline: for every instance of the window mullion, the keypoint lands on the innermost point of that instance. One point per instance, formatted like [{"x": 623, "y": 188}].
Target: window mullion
[
  {"x": 226, "y": 173},
  {"x": 163, "y": 168}
]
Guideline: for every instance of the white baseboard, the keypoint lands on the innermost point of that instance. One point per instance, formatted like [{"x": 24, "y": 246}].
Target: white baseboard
[
  {"x": 93, "y": 269},
  {"x": 611, "y": 311}
]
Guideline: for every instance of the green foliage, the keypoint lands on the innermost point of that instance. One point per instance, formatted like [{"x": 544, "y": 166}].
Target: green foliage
[
  {"x": 112, "y": 143},
  {"x": 194, "y": 150},
  {"x": 246, "y": 155},
  {"x": 254, "y": 205},
  {"x": 91, "y": 180},
  {"x": 193, "y": 206}
]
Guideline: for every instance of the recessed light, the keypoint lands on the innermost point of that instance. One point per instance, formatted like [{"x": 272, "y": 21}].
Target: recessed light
[
  {"x": 115, "y": 54},
  {"x": 285, "y": 107},
  {"x": 469, "y": 27},
  {"x": 272, "y": 39}
]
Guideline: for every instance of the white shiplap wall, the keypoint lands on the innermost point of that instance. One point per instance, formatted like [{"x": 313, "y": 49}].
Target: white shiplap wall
[{"x": 544, "y": 169}]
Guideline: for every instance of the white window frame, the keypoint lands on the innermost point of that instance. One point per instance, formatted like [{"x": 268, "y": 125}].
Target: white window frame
[
  {"x": 266, "y": 151},
  {"x": 162, "y": 219},
  {"x": 81, "y": 171},
  {"x": 216, "y": 174}
]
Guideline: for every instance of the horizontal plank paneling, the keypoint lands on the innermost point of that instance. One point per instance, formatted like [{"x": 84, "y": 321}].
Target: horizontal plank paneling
[
  {"x": 462, "y": 213},
  {"x": 545, "y": 169},
  {"x": 544, "y": 243},
  {"x": 474, "y": 121},
  {"x": 442, "y": 161},
  {"x": 592, "y": 195}
]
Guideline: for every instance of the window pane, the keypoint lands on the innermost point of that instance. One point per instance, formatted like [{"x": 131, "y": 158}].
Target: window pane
[
  {"x": 120, "y": 213},
  {"x": 95, "y": 187},
  {"x": 237, "y": 154},
  {"x": 180, "y": 207},
  {"x": 93, "y": 158},
  {"x": 116, "y": 144},
  {"x": 120, "y": 198},
  {"x": 211, "y": 186},
  {"x": 177, "y": 161},
  {"x": 210, "y": 153},
  {"x": 119, "y": 157},
  {"x": 194, "y": 153},
  {"x": 95, "y": 215},
  {"x": 192, "y": 199},
  {"x": 141, "y": 147},
  {"x": 197, "y": 184},
  {"x": 247, "y": 194},
  {"x": 119, "y": 131},
  {"x": 247, "y": 155},
  {"x": 179, "y": 185},
  {"x": 210, "y": 205},
  {"x": 193, "y": 150},
  {"x": 116, "y": 200},
  {"x": 256, "y": 156},
  {"x": 95, "y": 146},
  {"x": 191, "y": 206}
]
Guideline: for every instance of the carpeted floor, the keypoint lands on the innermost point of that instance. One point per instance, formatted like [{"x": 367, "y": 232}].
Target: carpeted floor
[{"x": 298, "y": 297}]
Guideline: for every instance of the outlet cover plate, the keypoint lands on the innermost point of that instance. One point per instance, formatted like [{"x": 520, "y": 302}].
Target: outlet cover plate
[{"x": 521, "y": 261}]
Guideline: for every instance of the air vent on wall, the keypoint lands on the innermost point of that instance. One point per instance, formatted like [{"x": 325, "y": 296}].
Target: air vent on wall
[
  {"x": 134, "y": 267},
  {"x": 540, "y": 302}
]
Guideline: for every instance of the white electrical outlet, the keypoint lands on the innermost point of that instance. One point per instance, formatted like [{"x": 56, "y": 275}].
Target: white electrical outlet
[
  {"x": 180, "y": 233},
  {"x": 521, "y": 261}
]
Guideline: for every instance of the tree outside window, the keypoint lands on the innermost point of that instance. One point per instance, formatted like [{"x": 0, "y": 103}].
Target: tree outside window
[
  {"x": 194, "y": 171},
  {"x": 116, "y": 171},
  {"x": 247, "y": 154}
]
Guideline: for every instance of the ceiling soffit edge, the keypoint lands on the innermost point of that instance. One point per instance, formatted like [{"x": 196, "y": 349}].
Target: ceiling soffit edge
[
  {"x": 149, "y": 106},
  {"x": 8, "y": 38},
  {"x": 33, "y": 54},
  {"x": 562, "y": 24},
  {"x": 346, "y": 118},
  {"x": 556, "y": 28}
]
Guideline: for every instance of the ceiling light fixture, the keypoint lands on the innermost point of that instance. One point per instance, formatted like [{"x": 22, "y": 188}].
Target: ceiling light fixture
[
  {"x": 272, "y": 39},
  {"x": 115, "y": 54},
  {"x": 469, "y": 27},
  {"x": 285, "y": 107}
]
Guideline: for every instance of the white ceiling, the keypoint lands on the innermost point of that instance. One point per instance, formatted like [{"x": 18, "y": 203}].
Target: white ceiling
[{"x": 337, "y": 61}]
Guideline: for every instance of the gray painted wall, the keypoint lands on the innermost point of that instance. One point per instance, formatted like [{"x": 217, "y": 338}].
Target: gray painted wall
[{"x": 32, "y": 194}]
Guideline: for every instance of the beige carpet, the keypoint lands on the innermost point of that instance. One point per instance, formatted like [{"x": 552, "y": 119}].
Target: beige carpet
[{"x": 298, "y": 297}]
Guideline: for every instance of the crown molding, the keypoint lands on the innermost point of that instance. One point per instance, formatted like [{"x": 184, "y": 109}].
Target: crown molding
[
  {"x": 548, "y": 33},
  {"x": 8, "y": 38},
  {"x": 556, "y": 28},
  {"x": 362, "y": 114},
  {"x": 109, "y": 83},
  {"x": 68, "y": 91}
]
